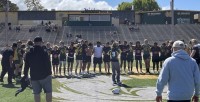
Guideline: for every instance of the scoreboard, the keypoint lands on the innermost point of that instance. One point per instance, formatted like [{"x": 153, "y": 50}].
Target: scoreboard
[{"x": 90, "y": 18}]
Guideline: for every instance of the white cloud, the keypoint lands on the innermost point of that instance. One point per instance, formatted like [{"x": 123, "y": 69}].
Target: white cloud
[
  {"x": 69, "y": 4},
  {"x": 20, "y": 4},
  {"x": 166, "y": 8}
]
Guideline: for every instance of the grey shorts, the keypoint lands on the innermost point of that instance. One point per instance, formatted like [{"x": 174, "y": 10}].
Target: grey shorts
[
  {"x": 45, "y": 84},
  {"x": 62, "y": 62}
]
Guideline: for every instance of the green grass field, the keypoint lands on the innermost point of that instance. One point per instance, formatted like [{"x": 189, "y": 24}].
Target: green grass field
[{"x": 7, "y": 92}]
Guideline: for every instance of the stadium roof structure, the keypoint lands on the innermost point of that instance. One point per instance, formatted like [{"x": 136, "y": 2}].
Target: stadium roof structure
[{"x": 168, "y": 11}]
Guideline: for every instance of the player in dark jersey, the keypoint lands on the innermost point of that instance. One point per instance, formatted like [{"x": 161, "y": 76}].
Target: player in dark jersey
[
  {"x": 138, "y": 55},
  {"x": 146, "y": 55},
  {"x": 70, "y": 59},
  {"x": 120, "y": 45},
  {"x": 130, "y": 58},
  {"x": 21, "y": 55},
  {"x": 89, "y": 52},
  {"x": 123, "y": 57},
  {"x": 169, "y": 48},
  {"x": 62, "y": 58},
  {"x": 106, "y": 57},
  {"x": 79, "y": 57},
  {"x": 43, "y": 45},
  {"x": 29, "y": 45},
  {"x": 155, "y": 56},
  {"x": 55, "y": 59},
  {"x": 84, "y": 48},
  {"x": 49, "y": 49},
  {"x": 163, "y": 53},
  {"x": 195, "y": 51},
  {"x": 187, "y": 47},
  {"x": 18, "y": 55}
]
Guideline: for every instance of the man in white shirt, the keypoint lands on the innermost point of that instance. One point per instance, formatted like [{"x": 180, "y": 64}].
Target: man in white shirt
[{"x": 98, "y": 50}]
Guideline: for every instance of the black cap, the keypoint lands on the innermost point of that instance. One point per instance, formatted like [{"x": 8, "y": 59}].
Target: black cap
[
  {"x": 14, "y": 45},
  {"x": 38, "y": 39}
]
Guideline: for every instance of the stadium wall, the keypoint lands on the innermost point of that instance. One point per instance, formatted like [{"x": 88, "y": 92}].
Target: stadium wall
[
  {"x": 62, "y": 17},
  {"x": 38, "y": 22},
  {"x": 89, "y": 23},
  {"x": 153, "y": 18},
  {"x": 115, "y": 21},
  {"x": 164, "y": 17},
  {"x": 12, "y": 17}
]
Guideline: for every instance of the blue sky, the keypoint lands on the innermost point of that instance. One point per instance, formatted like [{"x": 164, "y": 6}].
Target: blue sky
[
  {"x": 179, "y": 4},
  {"x": 106, "y": 4}
]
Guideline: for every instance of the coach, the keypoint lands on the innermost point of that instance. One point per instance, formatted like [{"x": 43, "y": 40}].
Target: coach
[
  {"x": 40, "y": 70},
  {"x": 182, "y": 75}
]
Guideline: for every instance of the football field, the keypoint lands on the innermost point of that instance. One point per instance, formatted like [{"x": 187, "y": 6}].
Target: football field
[{"x": 137, "y": 87}]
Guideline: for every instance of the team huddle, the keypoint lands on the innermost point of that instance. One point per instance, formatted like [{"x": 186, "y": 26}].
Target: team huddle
[{"x": 83, "y": 51}]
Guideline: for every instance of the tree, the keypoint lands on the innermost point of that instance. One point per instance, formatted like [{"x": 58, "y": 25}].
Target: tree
[
  {"x": 124, "y": 6},
  {"x": 140, "y": 5},
  {"x": 12, "y": 6},
  {"x": 33, "y": 5}
]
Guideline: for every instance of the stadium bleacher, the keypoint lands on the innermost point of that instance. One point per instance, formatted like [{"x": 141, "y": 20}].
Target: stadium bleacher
[{"x": 154, "y": 33}]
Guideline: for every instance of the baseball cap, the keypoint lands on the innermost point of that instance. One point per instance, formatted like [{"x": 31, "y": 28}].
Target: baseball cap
[
  {"x": 178, "y": 44},
  {"x": 38, "y": 39}
]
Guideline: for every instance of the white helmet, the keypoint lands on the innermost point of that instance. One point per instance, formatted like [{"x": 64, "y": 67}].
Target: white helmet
[{"x": 116, "y": 91}]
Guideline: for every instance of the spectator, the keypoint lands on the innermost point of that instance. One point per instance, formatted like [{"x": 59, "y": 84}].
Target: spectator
[
  {"x": 6, "y": 62},
  {"x": 181, "y": 73},
  {"x": 49, "y": 23},
  {"x": 9, "y": 25},
  {"x": 42, "y": 23},
  {"x": 18, "y": 29},
  {"x": 38, "y": 62}
]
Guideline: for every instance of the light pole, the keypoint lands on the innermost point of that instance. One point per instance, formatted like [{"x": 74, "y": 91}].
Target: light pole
[
  {"x": 172, "y": 19},
  {"x": 6, "y": 22}
]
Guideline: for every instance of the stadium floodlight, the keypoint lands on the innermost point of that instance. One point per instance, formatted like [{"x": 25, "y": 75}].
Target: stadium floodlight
[
  {"x": 172, "y": 11},
  {"x": 172, "y": 19},
  {"x": 6, "y": 21}
]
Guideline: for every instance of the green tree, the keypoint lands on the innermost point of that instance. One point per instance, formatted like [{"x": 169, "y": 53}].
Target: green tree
[
  {"x": 33, "y": 5},
  {"x": 12, "y": 6},
  {"x": 140, "y": 5},
  {"x": 124, "y": 6}
]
